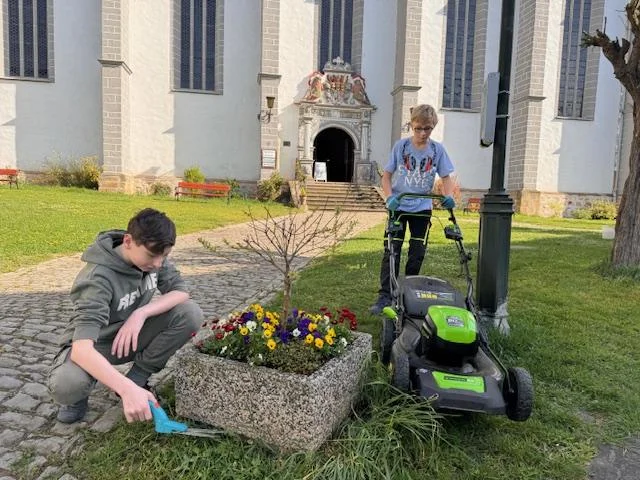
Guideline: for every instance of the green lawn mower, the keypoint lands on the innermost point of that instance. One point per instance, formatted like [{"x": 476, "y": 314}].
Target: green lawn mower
[{"x": 436, "y": 347}]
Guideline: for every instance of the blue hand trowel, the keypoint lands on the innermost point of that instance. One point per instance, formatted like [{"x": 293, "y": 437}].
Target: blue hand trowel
[{"x": 163, "y": 424}]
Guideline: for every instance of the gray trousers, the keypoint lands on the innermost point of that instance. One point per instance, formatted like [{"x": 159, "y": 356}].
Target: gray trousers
[{"x": 161, "y": 336}]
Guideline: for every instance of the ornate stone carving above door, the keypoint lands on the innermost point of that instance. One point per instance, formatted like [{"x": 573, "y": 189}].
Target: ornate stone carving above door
[{"x": 336, "y": 98}]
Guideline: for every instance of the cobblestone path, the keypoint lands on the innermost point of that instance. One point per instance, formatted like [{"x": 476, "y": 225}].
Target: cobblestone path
[{"x": 34, "y": 308}]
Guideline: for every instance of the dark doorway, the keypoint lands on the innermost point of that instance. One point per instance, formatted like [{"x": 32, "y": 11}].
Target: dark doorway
[{"x": 335, "y": 147}]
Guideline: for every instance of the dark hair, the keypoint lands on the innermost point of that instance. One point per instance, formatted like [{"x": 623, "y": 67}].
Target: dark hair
[{"x": 153, "y": 229}]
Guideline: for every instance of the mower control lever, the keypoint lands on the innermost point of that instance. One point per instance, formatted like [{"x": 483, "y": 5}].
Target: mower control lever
[{"x": 452, "y": 232}]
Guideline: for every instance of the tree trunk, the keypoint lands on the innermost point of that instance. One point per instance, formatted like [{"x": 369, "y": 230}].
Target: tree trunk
[
  {"x": 286, "y": 296},
  {"x": 626, "y": 246}
]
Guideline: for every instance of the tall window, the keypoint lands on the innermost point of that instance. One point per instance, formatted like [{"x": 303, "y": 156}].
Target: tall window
[
  {"x": 573, "y": 69},
  {"x": 458, "y": 61},
  {"x": 336, "y": 30},
  {"x": 196, "y": 45},
  {"x": 27, "y": 35}
]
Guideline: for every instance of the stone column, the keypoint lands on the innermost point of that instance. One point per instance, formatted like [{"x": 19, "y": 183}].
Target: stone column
[
  {"x": 306, "y": 162},
  {"x": 269, "y": 79},
  {"x": 115, "y": 97},
  {"x": 407, "y": 68}
]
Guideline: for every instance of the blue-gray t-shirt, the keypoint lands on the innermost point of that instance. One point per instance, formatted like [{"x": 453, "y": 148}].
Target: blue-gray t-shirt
[{"x": 414, "y": 171}]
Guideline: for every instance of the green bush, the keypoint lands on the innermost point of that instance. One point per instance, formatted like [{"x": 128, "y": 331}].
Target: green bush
[
  {"x": 598, "y": 210},
  {"x": 73, "y": 172},
  {"x": 271, "y": 188},
  {"x": 161, "y": 189},
  {"x": 235, "y": 187},
  {"x": 193, "y": 174}
]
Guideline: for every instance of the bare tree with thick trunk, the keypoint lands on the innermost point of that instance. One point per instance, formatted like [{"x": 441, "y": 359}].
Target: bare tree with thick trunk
[{"x": 624, "y": 55}]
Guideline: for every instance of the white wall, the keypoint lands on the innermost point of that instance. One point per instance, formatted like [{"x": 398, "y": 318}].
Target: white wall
[
  {"x": 298, "y": 36},
  {"x": 578, "y": 155},
  {"x": 459, "y": 131},
  {"x": 378, "y": 60},
  {"x": 218, "y": 133},
  {"x": 40, "y": 119}
]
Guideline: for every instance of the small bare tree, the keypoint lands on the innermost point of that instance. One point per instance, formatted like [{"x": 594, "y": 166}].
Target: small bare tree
[
  {"x": 624, "y": 55},
  {"x": 280, "y": 241}
]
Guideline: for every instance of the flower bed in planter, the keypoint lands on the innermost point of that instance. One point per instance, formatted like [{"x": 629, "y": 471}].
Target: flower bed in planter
[{"x": 290, "y": 411}]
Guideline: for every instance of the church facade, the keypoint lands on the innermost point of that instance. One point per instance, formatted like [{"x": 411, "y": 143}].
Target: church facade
[{"x": 245, "y": 88}]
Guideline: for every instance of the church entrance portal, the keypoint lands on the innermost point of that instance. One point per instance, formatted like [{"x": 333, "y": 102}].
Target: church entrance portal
[{"x": 335, "y": 147}]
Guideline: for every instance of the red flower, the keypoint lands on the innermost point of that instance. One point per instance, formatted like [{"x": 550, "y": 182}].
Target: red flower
[
  {"x": 193, "y": 334},
  {"x": 219, "y": 336}
]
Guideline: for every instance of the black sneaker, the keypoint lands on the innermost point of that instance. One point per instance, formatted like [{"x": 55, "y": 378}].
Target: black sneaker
[
  {"x": 74, "y": 412},
  {"x": 376, "y": 309}
]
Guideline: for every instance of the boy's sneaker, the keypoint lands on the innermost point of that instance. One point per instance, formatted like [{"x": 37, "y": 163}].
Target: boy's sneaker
[
  {"x": 383, "y": 301},
  {"x": 74, "y": 412}
]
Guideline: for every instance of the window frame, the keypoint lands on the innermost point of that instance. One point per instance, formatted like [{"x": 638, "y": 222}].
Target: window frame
[
  {"x": 588, "y": 58},
  {"x": 472, "y": 62},
  {"x": 207, "y": 52},
  {"x": 349, "y": 34},
  {"x": 6, "y": 58}
]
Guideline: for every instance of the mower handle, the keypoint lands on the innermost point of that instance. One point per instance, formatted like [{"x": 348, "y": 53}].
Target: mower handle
[{"x": 400, "y": 196}]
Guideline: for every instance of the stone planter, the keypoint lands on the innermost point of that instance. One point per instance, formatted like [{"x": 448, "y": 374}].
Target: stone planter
[{"x": 290, "y": 411}]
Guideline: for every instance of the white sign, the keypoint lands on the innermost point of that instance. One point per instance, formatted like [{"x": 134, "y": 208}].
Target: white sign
[
  {"x": 269, "y": 158},
  {"x": 320, "y": 172}
]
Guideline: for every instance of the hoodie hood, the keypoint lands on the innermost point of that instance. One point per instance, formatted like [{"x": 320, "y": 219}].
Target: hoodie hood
[{"x": 103, "y": 252}]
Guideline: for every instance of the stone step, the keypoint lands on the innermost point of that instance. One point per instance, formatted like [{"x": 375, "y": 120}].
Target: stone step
[{"x": 346, "y": 196}]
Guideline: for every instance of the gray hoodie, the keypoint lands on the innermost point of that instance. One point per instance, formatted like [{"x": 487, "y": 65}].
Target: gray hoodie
[{"x": 107, "y": 290}]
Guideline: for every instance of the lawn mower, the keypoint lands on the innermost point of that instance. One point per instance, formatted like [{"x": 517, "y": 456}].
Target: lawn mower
[{"x": 436, "y": 347}]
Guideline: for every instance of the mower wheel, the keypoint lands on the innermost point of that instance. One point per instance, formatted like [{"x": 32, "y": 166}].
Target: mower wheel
[
  {"x": 399, "y": 368},
  {"x": 387, "y": 336},
  {"x": 518, "y": 394}
]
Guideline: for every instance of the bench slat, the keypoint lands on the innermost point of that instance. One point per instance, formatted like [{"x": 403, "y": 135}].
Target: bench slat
[{"x": 193, "y": 189}]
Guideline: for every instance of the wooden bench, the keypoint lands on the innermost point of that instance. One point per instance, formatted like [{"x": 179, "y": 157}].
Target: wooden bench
[
  {"x": 203, "y": 190},
  {"x": 9, "y": 175},
  {"x": 472, "y": 205}
]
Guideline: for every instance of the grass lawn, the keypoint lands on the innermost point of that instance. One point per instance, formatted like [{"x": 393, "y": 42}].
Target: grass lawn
[
  {"x": 576, "y": 332},
  {"x": 43, "y": 222}
]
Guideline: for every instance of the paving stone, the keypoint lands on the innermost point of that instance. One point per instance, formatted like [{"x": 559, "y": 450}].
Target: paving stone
[
  {"x": 21, "y": 420},
  {"x": 47, "y": 410},
  {"x": 10, "y": 437},
  {"x": 37, "y": 390},
  {"x": 23, "y": 402},
  {"x": 49, "y": 337},
  {"x": 9, "y": 383},
  {"x": 49, "y": 473},
  {"x": 67, "y": 476},
  {"x": 9, "y": 362},
  {"x": 44, "y": 445},
  {"x": 9, "y": 458},
  {"x": 108, "y": 420}
]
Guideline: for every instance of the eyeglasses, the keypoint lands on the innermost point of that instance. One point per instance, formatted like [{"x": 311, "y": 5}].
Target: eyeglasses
[{"x": 422, "y": 129}]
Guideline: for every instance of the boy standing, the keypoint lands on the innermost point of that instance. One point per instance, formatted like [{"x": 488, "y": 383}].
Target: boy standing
[
  {"x": 412, "y": 168},
  {"x": 115, "y": 320}
]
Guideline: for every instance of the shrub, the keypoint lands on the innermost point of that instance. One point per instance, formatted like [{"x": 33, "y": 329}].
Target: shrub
[
  {"x": 271, "y": 188},
  {"x": 72, "y": 172},
  {"x": 437, "y": 190},
  {"x": 161, "y": 189},
  {"x": 193, "y": 174},
  {"x": 235, "y": 187},
  {"x": 598, "y": 210}
]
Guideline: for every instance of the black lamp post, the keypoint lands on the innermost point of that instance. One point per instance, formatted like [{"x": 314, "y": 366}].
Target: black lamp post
[{"x": 496, "y": 208}]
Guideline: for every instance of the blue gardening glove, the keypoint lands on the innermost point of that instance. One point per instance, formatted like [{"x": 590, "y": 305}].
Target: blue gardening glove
[
  {"x": 448, "y": 202},
  {"x": 392, "y": 202}
]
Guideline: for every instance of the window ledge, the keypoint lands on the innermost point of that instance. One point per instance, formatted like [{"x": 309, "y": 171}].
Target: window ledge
[
  {"x": 27, "y": 79},
  {"x": 189, "y": 90}
]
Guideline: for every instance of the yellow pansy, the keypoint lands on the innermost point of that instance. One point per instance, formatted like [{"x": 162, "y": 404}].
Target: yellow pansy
[
  {"x": 244, "y": 331},
  {"x": 308, "y": 339},
  {"x": 328, "y": 339},
  {"x": 268, "y": 333},
  {"x": 271, "y": 344},
  {"x": 319, "y": 343},
  {"x": 331, "y": 332},
  {"x": 312, "y": 326}
]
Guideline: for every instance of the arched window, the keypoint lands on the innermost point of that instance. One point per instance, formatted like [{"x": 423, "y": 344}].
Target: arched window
[
  {"x": 458, "y": 59},
  {"x": 29, "y": 37},
  {"x": 336, "y": 31},
  {"x": 574, "y": 66}
]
